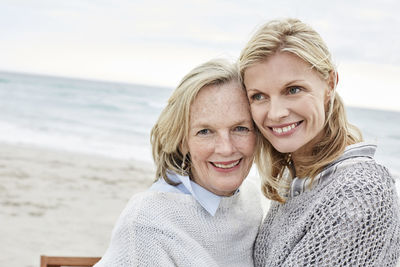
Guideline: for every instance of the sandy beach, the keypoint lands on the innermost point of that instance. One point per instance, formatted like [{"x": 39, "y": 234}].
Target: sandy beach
[{"x": 61, "y": 204}]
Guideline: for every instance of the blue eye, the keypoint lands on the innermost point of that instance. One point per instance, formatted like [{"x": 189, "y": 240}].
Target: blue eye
[
  {"x": 257, "y": 97},
  {"x": 203, "y": 132},
  {"x": 294, "y": 90},
  {"x": 241, "y": 129}
]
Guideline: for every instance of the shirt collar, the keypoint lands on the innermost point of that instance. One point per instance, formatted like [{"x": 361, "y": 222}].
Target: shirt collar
[
  {"x": 352, "y": 154},
  {"x": 208, "y": 200}
]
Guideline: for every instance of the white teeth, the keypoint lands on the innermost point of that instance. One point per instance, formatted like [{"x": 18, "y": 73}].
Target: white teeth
[
  {"x": 227, "y": 166},
  {"x": 284, "y": 129}
]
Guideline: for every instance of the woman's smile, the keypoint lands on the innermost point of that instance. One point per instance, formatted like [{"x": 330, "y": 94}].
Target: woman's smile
[
  {"x": 226, "y": 166},
  {"x": 285, "y": 129}
]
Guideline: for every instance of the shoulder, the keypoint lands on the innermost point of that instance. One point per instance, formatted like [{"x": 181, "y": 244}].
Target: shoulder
[
  {"x": 142, "y": 208},
  {"x": 364, "y": 177},
  {"x": 151, "y": 213},
  {"x": 363, "y": 189}
]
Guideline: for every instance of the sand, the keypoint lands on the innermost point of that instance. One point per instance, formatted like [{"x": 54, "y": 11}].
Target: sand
[{"x": 61, "y": 204}]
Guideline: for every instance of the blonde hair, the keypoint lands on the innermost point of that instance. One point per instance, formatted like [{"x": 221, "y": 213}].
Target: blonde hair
[
  {"x": 170, "y": 132},
  {"x": 296, "y": 37}
]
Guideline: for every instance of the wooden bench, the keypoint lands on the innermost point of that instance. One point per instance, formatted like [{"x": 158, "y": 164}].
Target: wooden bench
[{"x": 51, "y": 261}]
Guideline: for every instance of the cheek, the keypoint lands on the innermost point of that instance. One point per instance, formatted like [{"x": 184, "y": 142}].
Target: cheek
[
  {"x": 258, "y": 113},
  {"x": 318, "y": 119},
  {"x": 247, "y": 145},
  {"x": 199, "y": 151},
  {"x": 312, "y": 108},
  {"x": 321, "y": 113}
]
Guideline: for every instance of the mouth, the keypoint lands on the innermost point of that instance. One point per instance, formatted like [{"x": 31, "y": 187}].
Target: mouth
[
  {"x": 226, "y": 165},
  {"x": 285, "y": 129}
]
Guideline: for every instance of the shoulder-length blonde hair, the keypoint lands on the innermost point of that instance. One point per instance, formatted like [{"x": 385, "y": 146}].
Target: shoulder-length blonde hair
[
  {"x": 169, "y": 134},
  {"x": 294, "y": 36}
]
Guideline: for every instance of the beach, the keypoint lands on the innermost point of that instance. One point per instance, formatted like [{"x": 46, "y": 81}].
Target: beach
[{"x": 60, "y": 203}]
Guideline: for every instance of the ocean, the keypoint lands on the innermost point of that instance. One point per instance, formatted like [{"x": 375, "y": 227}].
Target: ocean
[
  {"x": 111, "y": 119},
  {"x": 115, "y": 119}
]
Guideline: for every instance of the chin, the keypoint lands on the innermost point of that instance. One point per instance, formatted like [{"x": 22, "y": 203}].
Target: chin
[
  {"x": 285, "y": 147},
  {"x": 230, "y": 189},
  {"x": 228, "y": 193}
]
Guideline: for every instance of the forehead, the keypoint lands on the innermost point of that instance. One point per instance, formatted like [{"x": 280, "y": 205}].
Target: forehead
[
  {"x": 217, "y": 103},
  {"x": 279, "y": 68}
]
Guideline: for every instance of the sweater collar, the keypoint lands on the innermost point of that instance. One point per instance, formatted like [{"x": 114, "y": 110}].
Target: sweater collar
[{"x": 352, "y": 154}]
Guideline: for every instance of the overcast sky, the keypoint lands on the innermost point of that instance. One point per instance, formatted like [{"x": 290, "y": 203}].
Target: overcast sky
[{"x": 157, "y": 42}]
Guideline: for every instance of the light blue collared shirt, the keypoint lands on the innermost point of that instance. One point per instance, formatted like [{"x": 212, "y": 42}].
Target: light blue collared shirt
[{"x": 208, "y": 200}]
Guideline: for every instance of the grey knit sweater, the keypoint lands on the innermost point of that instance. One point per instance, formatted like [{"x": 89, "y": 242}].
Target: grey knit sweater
[{"x": 349, "y": 218}]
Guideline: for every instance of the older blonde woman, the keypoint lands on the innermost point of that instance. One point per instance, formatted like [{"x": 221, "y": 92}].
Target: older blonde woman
[
  {"x": 333, "y": 205},
  {"x": 197, "y": 213}
]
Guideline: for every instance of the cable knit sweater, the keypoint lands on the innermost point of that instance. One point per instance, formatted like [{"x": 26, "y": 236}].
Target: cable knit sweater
[
  {"x": 172, "y": 229},
  {"x": 351, "y": 218}
]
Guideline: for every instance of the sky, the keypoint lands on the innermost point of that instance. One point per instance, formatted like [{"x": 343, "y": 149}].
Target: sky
[{"x": 156, "y": 42}]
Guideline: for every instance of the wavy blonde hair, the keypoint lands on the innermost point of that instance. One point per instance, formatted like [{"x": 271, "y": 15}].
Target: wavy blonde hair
[
  {"x": 169, "y": 135},
  {"x": 296, "y": 37}
]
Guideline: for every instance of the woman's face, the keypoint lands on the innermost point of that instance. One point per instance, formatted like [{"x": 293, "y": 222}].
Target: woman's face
[
  {"x": 221, "y": 138},
  {"x": 287, "y": 100}
]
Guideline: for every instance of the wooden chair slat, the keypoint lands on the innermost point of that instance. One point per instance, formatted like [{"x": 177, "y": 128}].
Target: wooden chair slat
[{"x": 54, "y": 261}]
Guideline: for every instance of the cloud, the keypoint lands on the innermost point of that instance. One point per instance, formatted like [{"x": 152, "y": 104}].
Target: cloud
[{"x": 89, "y": 37}]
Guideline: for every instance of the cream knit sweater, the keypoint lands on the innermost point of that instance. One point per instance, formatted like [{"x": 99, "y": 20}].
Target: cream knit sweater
[{"x": 173, "y": 229}]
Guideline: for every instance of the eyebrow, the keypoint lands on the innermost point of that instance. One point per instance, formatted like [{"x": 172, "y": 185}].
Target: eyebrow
[
  {"x": 292, "y": 82},
  {"x": 284, "y": 86},
  {"x": 205, "y": 125},
  {"x": 252, "y": 89}
]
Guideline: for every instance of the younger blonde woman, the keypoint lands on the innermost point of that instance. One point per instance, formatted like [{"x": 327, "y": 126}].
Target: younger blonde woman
[{"x": 333, "y": 205}]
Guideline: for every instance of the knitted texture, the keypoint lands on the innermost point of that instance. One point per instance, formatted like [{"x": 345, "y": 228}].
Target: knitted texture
[
  {"x": 172, "y": 229},
  {"x": 350, "y": 219}
]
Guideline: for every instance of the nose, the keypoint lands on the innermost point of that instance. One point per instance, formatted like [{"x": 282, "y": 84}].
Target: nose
[
  {"x": 224, "y": 144},
  {"x": 277, "y": 110}
]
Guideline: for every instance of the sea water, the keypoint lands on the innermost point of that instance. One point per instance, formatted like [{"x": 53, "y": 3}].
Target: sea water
[
  {"x": 115, "y": 119},
  {"x": 111, "y": 119}
]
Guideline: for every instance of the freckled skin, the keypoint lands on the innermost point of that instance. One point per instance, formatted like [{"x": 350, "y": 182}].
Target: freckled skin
[
  {"x": 285, "y": 90},
  {"x": 221, "y": 131}
]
